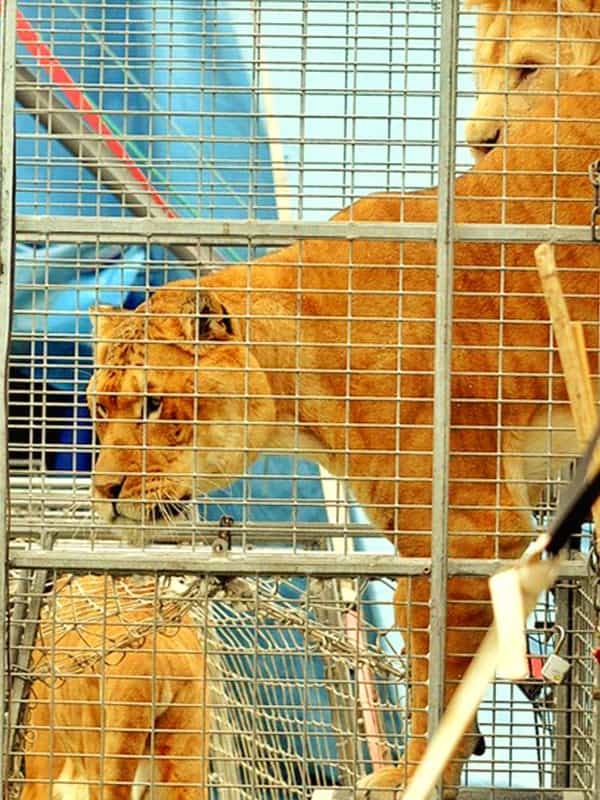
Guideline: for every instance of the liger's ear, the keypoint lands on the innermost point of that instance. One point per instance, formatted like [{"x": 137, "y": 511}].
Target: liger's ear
[
  {"x": 206, "y": 317},
  {"x": 103, "y": 319},
  {"x": 482, "y": 5},
  {"x": 578, "y": 6}
]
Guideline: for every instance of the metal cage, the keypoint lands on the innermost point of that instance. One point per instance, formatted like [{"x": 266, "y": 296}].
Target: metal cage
[{"x": 239, "y": 640}]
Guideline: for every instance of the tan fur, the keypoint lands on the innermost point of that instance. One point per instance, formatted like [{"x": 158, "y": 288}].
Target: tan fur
[
  {"x": 136, "y": 716},
  {"x": 521, "y": 46},
  {"x": 329, "y": 362}
]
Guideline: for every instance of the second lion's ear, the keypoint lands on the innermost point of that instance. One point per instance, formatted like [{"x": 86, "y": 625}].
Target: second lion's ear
[
  {"x": 207, "y": 317},
  {"x": 104, "y": 319},
  {"x": 579, "y": 6}
]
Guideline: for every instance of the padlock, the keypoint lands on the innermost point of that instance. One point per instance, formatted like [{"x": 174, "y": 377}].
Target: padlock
[{"x": 555, "y": 668}]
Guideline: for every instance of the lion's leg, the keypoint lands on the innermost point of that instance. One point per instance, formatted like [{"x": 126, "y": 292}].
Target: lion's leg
[
  {"x": 469, "y": 615},
  {"x": 154, "y": 723},
  {"x": 79, "y": 741},
  {"x": 121, "y": 729},
  {"x": 112, "y": 775},
  {"x": 38, "y": 760},
  {"x": 47, "y": 770},
  {"x": 181, "y": 747}
]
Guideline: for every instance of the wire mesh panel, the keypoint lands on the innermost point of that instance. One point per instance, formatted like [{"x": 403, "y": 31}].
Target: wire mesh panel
[
  {"x": 194, "y": 683},
  {"x": 208, "y": 379},
  {"x": 240, "y": 686},
  {"x": 112, "y": 680}
]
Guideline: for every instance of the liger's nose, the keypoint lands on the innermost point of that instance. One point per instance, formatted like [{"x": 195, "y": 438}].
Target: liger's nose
[
  {"x": 482, "y": 146},
  {"x": 107, "y": 490},
  {"x": 491, "y": 141},
  {"x": 113, "y": 490}
]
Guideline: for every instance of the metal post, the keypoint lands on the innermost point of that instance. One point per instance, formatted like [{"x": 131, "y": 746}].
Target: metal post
[
  {"x": 7, "y": 148},
  {"x": 595, "y": 710},
  {"x": 563, "y": 755},
  {"x": 442, "y": 361}
]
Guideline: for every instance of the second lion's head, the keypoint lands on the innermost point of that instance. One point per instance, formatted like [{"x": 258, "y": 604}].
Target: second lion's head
[{"x": 523, "y": 49}]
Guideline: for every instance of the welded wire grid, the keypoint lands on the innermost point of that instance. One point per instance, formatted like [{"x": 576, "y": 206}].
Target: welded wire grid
[
  {"x": 583, "y": 726},
  {"x": 536, "y": 722},
  {"x": 186, "y": 110},
  {"x": 217, "y": 102},
  {"x": 285, "y": 111}
]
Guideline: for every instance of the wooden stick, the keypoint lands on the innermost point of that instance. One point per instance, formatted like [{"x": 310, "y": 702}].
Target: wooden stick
[
  {"x": 588, "y": 411},
  {"x": 573, "y": 356}
]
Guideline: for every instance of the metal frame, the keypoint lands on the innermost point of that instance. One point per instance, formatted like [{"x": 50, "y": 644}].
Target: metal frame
[
  {"x": 7, "y": 177},
  {"x": 178, "y": 234},
  {"x": 442, "y": 363},
  {"x": 367, "y": 565},
  {"x": 278, "y": 233}
]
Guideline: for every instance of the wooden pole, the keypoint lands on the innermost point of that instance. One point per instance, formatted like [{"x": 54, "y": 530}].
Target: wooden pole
[{"x": 573, "y": 356}]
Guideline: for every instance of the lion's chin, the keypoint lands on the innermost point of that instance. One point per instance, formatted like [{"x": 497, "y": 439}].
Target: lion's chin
[
  {"x": 161, "y": 515},
  {"x": 139, "y": 532},
  {"x": 131, "y": 514}
]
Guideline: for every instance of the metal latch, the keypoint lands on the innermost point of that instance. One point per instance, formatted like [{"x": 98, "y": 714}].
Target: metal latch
[
  {"x": 594, "y": 176},
  {"x": 222, "y": 541},
  {"x": 555, "y": 667}
]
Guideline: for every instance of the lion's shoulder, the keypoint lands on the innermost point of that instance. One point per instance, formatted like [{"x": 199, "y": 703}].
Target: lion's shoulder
[{"x": 377, "y": 207}]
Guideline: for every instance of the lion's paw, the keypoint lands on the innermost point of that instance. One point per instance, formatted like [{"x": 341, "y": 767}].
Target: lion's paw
[
  {"x": 384, "y": 784},
  {"x": 389, "y": 783}
]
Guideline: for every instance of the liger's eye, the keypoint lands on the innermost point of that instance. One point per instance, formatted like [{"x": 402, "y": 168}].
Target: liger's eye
[
  {"x": 152, "y": 407},
  {"x": 526, "y": 71}
]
